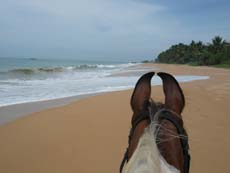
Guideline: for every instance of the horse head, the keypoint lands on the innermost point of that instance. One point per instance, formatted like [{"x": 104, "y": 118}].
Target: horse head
[{"x": 171, "y": 138}]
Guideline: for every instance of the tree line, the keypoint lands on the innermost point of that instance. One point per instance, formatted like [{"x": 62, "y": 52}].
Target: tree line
[{"x": 198, "y": 53}]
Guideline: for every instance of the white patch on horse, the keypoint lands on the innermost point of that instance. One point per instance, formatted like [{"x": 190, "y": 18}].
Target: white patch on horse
[{"x": 147, "y": 158}]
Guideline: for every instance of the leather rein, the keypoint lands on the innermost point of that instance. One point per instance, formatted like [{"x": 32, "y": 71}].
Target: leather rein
[{"x": 163, "y": 114}]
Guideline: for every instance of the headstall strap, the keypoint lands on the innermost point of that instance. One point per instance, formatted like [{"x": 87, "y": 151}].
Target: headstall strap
[
  {"x": 143, "y": 116},
  {"x": 178, "y": 123}
]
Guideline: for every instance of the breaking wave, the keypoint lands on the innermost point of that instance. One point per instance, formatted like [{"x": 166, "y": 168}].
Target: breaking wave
[{"x": 82, "y": 67}]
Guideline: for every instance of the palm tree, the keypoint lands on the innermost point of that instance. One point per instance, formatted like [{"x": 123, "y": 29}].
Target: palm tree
[{"x": 217, "y": 44}]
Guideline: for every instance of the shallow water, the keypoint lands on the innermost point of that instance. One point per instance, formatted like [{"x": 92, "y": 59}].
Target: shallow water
[{"x": 24, "y": 81}]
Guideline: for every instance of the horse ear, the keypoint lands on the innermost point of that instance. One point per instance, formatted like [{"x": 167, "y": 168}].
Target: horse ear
[
  {"x": 141, "y": 94},
  {"x": 174, "y": 97}
]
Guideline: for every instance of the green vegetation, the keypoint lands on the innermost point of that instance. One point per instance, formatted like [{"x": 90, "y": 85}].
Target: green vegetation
[
  {"x": 147, "y": 61},
  {"x": 215, "y": 54}
]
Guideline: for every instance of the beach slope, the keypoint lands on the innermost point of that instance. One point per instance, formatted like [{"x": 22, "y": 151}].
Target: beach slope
[{"x": 90, "y": 135}]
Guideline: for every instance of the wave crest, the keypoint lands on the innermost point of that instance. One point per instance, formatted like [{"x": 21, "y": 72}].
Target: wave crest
[{"x": 81, "y": 67}]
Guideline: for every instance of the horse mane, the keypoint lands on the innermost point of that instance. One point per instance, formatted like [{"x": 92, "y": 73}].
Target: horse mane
[{"x": 147, "y": 158}]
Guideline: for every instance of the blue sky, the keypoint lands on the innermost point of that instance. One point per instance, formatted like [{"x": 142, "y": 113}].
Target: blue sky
[{"x": 107, "y": 29}]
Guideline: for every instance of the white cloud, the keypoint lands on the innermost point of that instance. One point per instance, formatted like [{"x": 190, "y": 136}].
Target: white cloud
[
  {"x": 114, "y": 24},
  {"x": 101, "y": 14},
  {"x": 92, "y": 27}
]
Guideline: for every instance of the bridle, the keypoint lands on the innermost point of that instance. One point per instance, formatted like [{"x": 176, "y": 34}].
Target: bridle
[
  {"x": 174, "y": 118},
  {"x": 144, "y": 116},
  {"x": 163, "y": 114}
]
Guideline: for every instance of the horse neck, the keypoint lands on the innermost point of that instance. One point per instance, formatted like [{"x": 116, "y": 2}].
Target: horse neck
[{"x": 147, "y": 158}]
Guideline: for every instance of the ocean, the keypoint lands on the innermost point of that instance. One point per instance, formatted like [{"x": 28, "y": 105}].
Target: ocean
[{"x": 28, "y": 80}]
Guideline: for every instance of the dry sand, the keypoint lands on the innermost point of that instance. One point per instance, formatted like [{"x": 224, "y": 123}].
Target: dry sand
[{"x": 90, "y": 135}]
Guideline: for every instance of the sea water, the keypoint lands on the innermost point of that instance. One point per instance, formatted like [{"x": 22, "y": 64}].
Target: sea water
[{"x": 28, "y": 80}]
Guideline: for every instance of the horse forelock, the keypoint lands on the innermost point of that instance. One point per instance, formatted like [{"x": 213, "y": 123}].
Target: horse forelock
[{"x": 153, "y": 108}]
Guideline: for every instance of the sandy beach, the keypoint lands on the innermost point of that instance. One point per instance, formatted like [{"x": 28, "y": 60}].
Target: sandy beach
[{"x": 90, "y": 135}]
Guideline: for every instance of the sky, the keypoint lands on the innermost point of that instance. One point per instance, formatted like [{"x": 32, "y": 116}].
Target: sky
[{"x": 129, "y": 30}]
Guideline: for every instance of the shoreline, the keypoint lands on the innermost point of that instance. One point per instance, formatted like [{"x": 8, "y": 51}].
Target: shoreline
[
  {"x": 13, "y": 112},
  {"x": 132, "y": 73}
]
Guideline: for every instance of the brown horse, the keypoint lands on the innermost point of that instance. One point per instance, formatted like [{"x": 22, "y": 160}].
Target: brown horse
[{"x": 158, "y": 141}]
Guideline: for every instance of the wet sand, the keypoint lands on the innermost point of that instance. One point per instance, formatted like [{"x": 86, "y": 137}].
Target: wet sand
[
  {"x": 90, "y": 135},
  {"x": 13, "y": 112}
]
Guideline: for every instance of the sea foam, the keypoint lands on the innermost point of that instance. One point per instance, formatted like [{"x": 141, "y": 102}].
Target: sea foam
[{"x": 44, "y": 83}]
